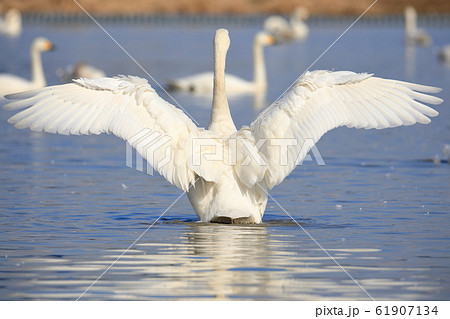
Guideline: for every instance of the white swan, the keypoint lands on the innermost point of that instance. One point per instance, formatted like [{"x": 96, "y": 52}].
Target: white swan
[
  {"x": 413, "y": 35},
  {"x": 225, "y": 172},
  {"x": 10, "y": 83},
  {"x": 79, "y": 70},
  {"x": 11, "y": 24},
  {"x": 294, "y": 29},
  {"x": 203, "y": 83}
]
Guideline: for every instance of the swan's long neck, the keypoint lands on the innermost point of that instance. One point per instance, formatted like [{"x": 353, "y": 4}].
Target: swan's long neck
[
  {"x": 221, "y": 121},
  {"x": 37, "y": 71},
  {"x": 410, "y": 20},
  {"x": 259, "y": 67}
]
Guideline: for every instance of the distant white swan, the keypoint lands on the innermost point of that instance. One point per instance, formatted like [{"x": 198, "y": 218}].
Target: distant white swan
[
  {"x": 225, "y": 172},
  {"x": 203, "y": 83},
  {"x": 79, "y": 70},
  {"x": 10, "y": 83},
  {"x": 414, "y": 36},
  {"x": 284, "y": 30},
  {"x": 11, "y": 23}
]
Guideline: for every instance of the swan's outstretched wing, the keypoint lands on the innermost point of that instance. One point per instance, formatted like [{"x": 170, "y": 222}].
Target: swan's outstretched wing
[
  {"x": 125, "y": 106},
  {"x": 322, "y": 100}
]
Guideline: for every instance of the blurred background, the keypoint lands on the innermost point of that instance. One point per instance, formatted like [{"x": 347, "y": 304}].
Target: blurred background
[{"x": 326, "y": 7}]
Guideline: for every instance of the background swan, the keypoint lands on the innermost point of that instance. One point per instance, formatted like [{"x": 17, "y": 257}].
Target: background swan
[
  {"x": 414, "y": 36},
  {"x": 10, "y": 83},
  {"x": 11, "y": 23},
  {"x": 203, "y": 83},
  {"x": 79, "y": 70},
  {"x": 226, "y": 172},
  {"x": 294, "y": 29},
  {"x": 444, "y": 54}
]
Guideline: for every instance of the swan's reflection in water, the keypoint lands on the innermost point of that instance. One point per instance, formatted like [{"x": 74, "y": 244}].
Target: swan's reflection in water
[
  {"x": 410, "y": 61},
  {"x": 235, "y": 260},
  {"x": 212, "y": 261},
  {"x": 226, "y": 262},
  {"x": 197, "y": 261}
]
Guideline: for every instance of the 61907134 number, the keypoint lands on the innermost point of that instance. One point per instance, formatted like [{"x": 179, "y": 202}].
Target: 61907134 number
[{"x": 406, "y": 310}]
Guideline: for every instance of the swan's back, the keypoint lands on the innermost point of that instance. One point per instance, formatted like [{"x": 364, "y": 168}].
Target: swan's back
[
  {"x": 275, "y": 24},
  {"x": 10, "y": 83},
  {"x": 201, "y": 83}
]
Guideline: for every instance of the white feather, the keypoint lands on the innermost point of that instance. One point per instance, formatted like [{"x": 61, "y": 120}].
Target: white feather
[{"x": 322, "y": 100}]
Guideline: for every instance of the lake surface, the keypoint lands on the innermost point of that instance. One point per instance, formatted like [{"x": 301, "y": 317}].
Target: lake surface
[{"x": 70, "y": 208}]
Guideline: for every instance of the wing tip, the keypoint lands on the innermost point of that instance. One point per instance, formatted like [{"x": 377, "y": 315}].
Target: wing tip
[
  {"x": 22, "y": 95},
  {"x": 424, "y": 120},
  {"x": 11, "y": 106},
  {"x": 438, "y": 100}
]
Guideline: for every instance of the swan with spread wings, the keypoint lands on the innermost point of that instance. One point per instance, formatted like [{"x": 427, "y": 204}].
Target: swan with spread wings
[{"x": 232, "y": 187}]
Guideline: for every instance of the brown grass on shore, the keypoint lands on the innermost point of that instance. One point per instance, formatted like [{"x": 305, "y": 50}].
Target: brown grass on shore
[{"x": 325, "y": 7}]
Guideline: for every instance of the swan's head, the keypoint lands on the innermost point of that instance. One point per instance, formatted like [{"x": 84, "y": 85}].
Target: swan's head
[
  {"x": 42, "y": 44},
  {"x": 222, "y": 41},
  {"x": 410, "y": 12},
  {"x": 265, "y": 39}
]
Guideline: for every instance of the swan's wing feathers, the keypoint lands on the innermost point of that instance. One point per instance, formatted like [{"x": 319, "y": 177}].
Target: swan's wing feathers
[
  {"x": 322, "y": 100},
  {"x": 125, "y": 106},
  {"x": 248, "y": 163}
]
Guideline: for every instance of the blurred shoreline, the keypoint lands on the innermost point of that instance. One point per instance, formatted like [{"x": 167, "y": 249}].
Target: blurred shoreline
[
  {"x": 76, "y": 18},
  {"x": 226, "y": 7}
]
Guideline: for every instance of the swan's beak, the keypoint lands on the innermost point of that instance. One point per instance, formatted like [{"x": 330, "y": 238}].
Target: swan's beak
[
  {"x": 48, "y": 46},
  {"x": 271, "y": 40}
]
